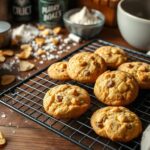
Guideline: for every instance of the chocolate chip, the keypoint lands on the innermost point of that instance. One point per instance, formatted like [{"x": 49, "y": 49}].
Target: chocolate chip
[
  {"x": 59, "y": 98},
  {"x": 75, "y": 93},
  {"x": 130, "y": 66},
  {"x": 129, "y": 126},
  {"x": 86, "y": 73},
  {"x": 110, "y": 84},
  {"x": 92, "y": 57},
  {"x": 83, "y": 63},
  {"x": 99, "y": 124},
  {"x": 96, "y": 64},
  {"x": 145, "y": 78},
  {"x": 144, "y": 69}
]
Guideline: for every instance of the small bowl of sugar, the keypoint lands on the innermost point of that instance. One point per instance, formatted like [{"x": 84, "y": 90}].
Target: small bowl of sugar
[{"x": 84, "y": 22}]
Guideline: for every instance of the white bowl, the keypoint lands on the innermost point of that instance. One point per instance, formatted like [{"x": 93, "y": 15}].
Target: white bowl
[
  {"x": 133, "y": 17},
  {"x": 85, "y": 31}
]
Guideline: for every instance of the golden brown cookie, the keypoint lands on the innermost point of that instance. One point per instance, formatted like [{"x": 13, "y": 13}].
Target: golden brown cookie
[
  {"x": 66, "y": 101},
  {"x": 116, "y": 88},
  {"x": 116, "y": 123},
  {"x": 140, "y": 71},
  {"x": 58, "y": 71},
  {"x": 113, "y": 56},
  {"x": 86, "y": 67}
]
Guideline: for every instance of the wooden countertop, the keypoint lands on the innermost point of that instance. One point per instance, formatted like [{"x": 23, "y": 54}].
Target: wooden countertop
[{"x": 23, "y": 134}]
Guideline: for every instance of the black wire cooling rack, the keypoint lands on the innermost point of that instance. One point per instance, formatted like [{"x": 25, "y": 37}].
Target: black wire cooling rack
[{"x": 26, "y": 98}]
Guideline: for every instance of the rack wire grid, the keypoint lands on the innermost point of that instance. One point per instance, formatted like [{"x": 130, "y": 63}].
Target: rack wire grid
[{"x": 26, "y": 98}]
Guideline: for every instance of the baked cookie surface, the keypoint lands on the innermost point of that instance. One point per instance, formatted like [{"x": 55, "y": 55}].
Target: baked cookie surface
[
  {"x": 116, "y": 123},
  {"x": 140, "y": 71},
  {"x": 116, "y": 88},
  {"x": 58, "y": 71},
  {"x": 66, "y": 101},
  {"x": 113, "y": 56},
  {"x": 85, "y": 67}
]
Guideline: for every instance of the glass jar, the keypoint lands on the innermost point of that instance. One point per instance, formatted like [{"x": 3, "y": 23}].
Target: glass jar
[
  {"x": 22, "y": 10},
  {"x": 51, "y": 12}
]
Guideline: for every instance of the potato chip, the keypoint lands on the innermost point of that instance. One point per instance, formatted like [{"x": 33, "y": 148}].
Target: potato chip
[
  {"x": 2, "y": 58},
  {"x": 26, "y": 46},
  {"x": 2, "y": 139},
  {"x": 7, "y": 52},
  {"x": 40, "y": 41},
  {"x": 7, "y": 79},
  {"x": 57, "y": 30},
  {"x": 41, "y": 27},
  {"x": 40, "y": 52},
  {"x": 25, "y": 66},
  {"x": 45, "y": 32},
  {"x": 55, "y": 41},
  {"x": 26, "y": 53}
]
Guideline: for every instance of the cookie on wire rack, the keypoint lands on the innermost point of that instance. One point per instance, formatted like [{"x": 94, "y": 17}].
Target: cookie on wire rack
[
  {"x": 116, "y": 123},
  {"x": 86, "y": 67},
  {"x": 66, "y": 101}
]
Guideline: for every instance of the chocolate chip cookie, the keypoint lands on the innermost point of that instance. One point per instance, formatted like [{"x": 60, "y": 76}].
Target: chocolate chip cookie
[
  {"x": 141, "y": 72},
  {"x": 113, "y": 56},
  {"x": 116, "y": 123},
  {"x": 85, "y": 67},
  {"x": 116, "y": 88},
  {"x": 66, "y": 101},
  {"x": 58, "y": 71}
]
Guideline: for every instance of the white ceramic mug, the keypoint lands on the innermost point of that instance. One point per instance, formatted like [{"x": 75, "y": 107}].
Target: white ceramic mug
[{"x": 133, "y": 17}]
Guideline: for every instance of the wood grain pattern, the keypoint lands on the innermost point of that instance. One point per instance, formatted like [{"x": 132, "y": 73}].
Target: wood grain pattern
[
  {"x": 23, "y": 134},
  {"x": 34, "y": 139}
]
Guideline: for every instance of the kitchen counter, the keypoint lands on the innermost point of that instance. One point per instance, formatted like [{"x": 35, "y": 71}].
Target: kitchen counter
[{"x": 23, "y": 134}]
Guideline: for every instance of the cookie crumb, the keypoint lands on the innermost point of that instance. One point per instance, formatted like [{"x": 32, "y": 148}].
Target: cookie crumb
[
  {"x": 13, "y": 131},
  {"x": 25, "y": 66},
  {"x": 9, "y": 123},
  {"x": 7, "y": 79},
  {"x": 3, "y": 115},
  {"x": 26, "y": 53}
]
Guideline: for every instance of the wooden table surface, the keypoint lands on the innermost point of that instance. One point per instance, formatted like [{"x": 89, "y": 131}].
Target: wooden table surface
[{"x": 23, "y": 134}]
